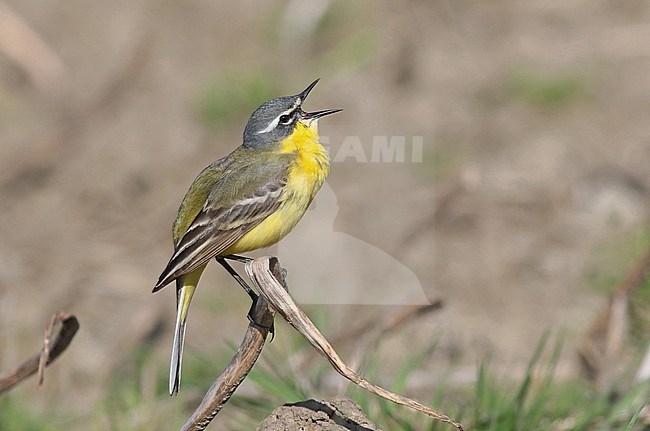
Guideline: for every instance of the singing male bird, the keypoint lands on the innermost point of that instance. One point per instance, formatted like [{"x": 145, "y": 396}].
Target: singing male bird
[{"x": 248, "y": 200}]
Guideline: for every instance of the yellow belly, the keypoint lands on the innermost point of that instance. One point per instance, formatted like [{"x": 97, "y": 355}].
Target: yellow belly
[
  {"x": 305, "y": 178},
  {"x": 272, "y": 229}
]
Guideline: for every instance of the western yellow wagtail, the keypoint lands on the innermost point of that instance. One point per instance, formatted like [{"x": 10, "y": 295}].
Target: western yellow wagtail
[{"x": 250, "y": 199}]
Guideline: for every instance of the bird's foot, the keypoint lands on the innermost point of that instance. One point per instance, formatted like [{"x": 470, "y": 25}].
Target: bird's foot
[{"x": 251, "y": 318}]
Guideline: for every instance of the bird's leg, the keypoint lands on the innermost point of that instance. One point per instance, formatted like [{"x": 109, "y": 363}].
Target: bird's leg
[
  {"x": 237, "y": 258},
  {"x": 237, "y": 277},
  {"x": 254, "y": 296}
]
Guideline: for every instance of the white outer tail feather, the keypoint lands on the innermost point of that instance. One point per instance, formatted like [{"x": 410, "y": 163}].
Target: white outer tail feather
[
  {"x": 179, "y": 339},
  {"x": 177, "y": 359}
]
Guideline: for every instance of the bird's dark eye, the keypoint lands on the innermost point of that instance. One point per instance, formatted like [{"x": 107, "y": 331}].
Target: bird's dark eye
[{"x": 286, "y": 119}]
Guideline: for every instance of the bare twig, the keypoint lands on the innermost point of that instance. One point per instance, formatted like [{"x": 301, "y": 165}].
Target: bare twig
[
  {"x": 263, "y": 272},
  {"x": 391, "y": 323},
  {"x": 53, "y": 346},
  {"x": 368, "y": 340},
  {"x": 235, "y": 372},
  {"x": 601, "y": 348},
  {"x": 21, "y": 43},
  {"x": 374, "y": 331}
]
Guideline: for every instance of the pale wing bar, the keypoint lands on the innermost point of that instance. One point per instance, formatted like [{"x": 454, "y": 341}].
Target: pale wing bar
[{"x": 215, "y": 229}]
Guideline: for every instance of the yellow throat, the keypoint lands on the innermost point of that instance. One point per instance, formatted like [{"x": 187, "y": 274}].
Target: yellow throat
[{"x": 312, "y": 162}]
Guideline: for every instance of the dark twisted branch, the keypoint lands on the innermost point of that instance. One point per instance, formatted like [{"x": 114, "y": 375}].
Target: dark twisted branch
[{"x": 53, "y": 346}]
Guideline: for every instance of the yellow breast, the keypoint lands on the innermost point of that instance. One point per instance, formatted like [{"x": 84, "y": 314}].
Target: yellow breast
[
  {"x": 306, "y": 175},
  {"x": 312, "y": 163}
]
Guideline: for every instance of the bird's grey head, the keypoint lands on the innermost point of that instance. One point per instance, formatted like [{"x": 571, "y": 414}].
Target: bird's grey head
[{"x": 276, "y": 119}]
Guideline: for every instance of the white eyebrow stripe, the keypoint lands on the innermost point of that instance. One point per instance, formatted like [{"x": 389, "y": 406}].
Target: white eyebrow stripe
[{"x": 273, "y": 124}]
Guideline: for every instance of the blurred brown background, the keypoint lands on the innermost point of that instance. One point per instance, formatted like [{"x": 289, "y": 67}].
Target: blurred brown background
[{"x": 530, "y": 201}]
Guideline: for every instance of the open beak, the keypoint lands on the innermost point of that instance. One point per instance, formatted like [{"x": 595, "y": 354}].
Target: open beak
[
  {"x": 312, "y": 115},
  {"x": 304, "y": 93}
]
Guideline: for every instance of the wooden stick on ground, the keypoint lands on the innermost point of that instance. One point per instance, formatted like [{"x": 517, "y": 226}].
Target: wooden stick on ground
[
  {"x": 267, "y": 275},
  {"x": 53, "y": 346}
]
